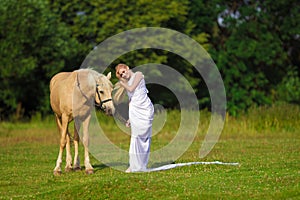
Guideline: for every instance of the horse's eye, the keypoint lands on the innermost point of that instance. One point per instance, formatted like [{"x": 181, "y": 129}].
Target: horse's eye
[{"x": 101, "y": 92}]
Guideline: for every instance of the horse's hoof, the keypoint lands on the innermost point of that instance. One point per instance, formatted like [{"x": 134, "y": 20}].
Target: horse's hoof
[
  {"x": 56, "y": 173},
  {"x": 68, "y": 169},
  {"x": 76, "y": 169},
  {"x": 89, "y": 171}
]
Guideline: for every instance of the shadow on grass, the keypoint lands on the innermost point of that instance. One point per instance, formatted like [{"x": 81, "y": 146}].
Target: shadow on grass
[
  {"x": 155, "y": 165},
  {"x": 98, "y": 167}
]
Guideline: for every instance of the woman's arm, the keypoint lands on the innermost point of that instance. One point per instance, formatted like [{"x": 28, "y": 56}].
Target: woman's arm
[{"x": 138, "y": 77}]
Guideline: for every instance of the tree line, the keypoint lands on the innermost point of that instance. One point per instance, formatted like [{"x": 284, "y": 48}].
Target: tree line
[{"x": 255, "y": 45}]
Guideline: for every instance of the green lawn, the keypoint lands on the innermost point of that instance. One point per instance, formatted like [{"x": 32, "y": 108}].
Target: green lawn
[{"x": 265, "y": 141}]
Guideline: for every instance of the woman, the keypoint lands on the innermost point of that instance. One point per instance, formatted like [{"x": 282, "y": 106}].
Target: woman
[{"x": 140, "y": 117}]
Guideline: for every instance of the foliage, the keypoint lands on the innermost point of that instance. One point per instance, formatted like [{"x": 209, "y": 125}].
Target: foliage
[
  {"x": 255, "y": 45},
  {"x": 93, "y": 22},
  {"x": 288, "y": 89},
  {"x": 254, "y": 54},
  {"x": 34, "y": 45}
]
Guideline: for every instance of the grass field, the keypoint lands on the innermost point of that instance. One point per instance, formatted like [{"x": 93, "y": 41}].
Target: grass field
[{"x": 265, "y": 141}]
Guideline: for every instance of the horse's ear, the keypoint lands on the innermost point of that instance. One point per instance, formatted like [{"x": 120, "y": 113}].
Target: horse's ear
[{"x": 108, "y": 75}]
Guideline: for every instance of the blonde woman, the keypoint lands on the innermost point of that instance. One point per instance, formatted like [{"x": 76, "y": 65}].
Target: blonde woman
[{"x": 141, "y": 112}]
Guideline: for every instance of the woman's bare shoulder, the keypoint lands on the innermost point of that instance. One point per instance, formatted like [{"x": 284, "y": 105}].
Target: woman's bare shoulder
[{"x": 139, "y": 74}]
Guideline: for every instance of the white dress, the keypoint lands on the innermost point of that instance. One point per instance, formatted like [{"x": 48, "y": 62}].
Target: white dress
[{"x": 141, "y": 112}]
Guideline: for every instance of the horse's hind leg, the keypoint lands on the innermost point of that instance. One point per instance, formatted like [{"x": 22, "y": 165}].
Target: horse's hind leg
[
  {"x": 62, "y": 126},
  {"x": 76, "y": 142}
]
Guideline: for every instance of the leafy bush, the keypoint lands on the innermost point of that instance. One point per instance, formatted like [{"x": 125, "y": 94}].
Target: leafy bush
[{"x": 288, "y": 90}]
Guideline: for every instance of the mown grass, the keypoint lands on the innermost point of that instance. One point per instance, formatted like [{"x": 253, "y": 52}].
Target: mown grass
[{"x": 265, "y": 141}]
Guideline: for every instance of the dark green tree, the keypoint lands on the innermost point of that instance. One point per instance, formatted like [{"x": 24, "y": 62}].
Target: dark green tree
[
  {"x": 253, "y": 48},
  {"x": 255, "y": 45},
  {"x": 34, "y": 45},
  {"x": 93, "y": 22}
]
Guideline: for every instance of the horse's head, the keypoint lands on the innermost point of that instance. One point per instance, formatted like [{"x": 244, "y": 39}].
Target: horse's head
[{"x": 103, "y": 94}]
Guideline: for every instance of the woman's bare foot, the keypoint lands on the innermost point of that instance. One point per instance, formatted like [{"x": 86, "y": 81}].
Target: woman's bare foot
[{"x": 128, "y": 170}]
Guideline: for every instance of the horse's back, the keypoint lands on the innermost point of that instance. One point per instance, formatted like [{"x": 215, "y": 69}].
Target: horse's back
[
  {"x": 64, "y": 86},
  {"x": 58, "y": 79},
  {"x": 61, "y": 90}
]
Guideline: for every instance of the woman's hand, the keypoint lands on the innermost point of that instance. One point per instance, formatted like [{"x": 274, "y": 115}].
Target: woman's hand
[
  {"x": 127, "y": 123},
  {"x": 138, "y": 77},
  {"x": 123, "y": 82}
]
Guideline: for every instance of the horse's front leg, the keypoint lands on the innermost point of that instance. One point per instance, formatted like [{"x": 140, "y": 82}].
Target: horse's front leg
[
  {"x": 76, "y": 143},
  {"x": 68, "y": 167},
  {"x": 88, "y": 167},
  {"x": 62, "y": 125}
]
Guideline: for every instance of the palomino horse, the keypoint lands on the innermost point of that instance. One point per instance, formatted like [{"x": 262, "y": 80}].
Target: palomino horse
[{"x": 72, "y": 96}]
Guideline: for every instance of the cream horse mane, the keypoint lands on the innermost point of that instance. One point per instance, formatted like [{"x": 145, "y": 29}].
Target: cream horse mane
[
  {"x": 118, "y": 94},
  {"x": 94, "y": 75}
]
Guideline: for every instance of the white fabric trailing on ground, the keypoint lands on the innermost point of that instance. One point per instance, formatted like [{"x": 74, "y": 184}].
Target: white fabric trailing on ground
[{"x": 171, "y": 166}]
